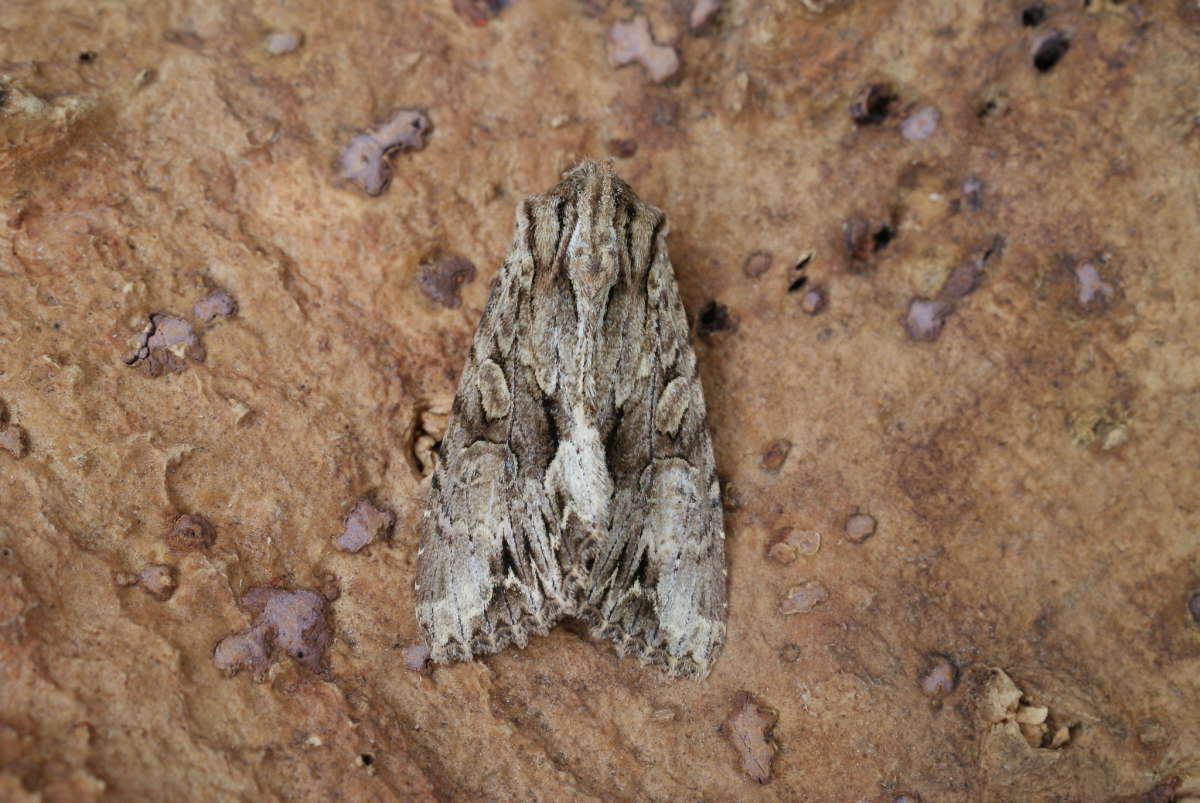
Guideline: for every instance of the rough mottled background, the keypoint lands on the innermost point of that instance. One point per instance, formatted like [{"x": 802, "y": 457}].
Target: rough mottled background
[{"x": 1003, "y": 374}]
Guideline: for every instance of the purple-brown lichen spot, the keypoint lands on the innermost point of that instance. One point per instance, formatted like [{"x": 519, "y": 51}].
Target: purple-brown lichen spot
[
  {"x": 158, "y": 581},
  {"x": 217, "y": 304},
  {"x": 1093, "y": 291},
  {"x": 441, "y": 277},
  {"x": 814, "y": 301},
  {"x": 191, "y": 532},
  {"x": 365, "y": 525},
  {"x": 416, "y": 659},
  {"x": 940, "y": 676},
  {"x": 1194, "y": 607},
  {"x": 748, "y": 729},
  {"x": 927, "y": 316},
  {"x": 292, "y": 623},
  {"x": 365, "y": 160},
  {"x": 279, "y": 43},
  {"x": 803, "y": 598},
  {"x": 165, "y": 345},
  {"x": 859, "y": 527},
  {"x": 630, "y": 41},
  {"x": 972, "y": 191},
  {"x": 789, "y": 543},
  {"x": 703, "y": 12},
  {"x": 757, "y": 264},
  {"x": 921, "y": 124},
  {"x": 925, "y": 319},
  {"x": 776, "y": 454}
]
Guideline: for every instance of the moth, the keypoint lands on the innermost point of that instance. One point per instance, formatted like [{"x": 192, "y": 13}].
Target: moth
[{"x": 576, "y": 475}]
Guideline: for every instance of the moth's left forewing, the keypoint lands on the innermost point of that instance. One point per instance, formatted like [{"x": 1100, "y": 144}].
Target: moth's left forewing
[{"x": 658, "y": 585}]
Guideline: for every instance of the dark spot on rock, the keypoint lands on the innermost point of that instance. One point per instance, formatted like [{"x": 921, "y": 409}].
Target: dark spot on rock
[
  {"x": 757, "y": 264},
  {"x": 1034, "y": 15},
  {"x": 940, "y": 675},
  {"x": 364, "y": 161},
  {"x": 776, "y": 454},
  {"x": 1194, "y": 607},
  {"x": 1050, "y": 50},
  {"x": 881, "y": 237},
  {"x": 293, "y": 623},
  {"x": 715, "y": 317},
  {"x": 88, "y": 56},
  {"x": 815, "y": 301},
  {"x": 797, "y": 284},
  {"x": 217, "y": 304},
  {"x": 622, "y": 148},
  {"x": 986, "y": 108},
  {"x": 191, "y": 532},
  {"x": 441, "y": 277},
  {"x": 478, "y": 12},
  {"x": 3, "y": 97},
  {"x": 365, "y": 525},
  {"x": 873, "y": 106},
  {"x": 367, "y": 759},
  {"x": 862, "y": 239}
]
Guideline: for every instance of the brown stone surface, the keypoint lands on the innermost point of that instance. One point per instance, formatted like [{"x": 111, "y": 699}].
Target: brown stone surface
[{"x": 1035, "y": 464}]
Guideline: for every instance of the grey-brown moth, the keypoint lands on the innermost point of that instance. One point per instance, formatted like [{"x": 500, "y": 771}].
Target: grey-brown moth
[{"x": 576, "y": 475}]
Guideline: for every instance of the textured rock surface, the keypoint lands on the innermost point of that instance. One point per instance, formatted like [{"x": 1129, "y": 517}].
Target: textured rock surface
[{"x": 1032, "y": 467}]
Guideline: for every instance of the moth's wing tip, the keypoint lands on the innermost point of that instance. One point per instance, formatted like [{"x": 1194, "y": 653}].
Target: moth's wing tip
[
  {"x": 480, "y": 644},
  {"x": 682, "y": 664}
]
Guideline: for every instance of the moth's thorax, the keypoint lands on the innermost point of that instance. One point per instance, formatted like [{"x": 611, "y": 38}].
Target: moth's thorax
[{"x": 593, "y": 251}]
